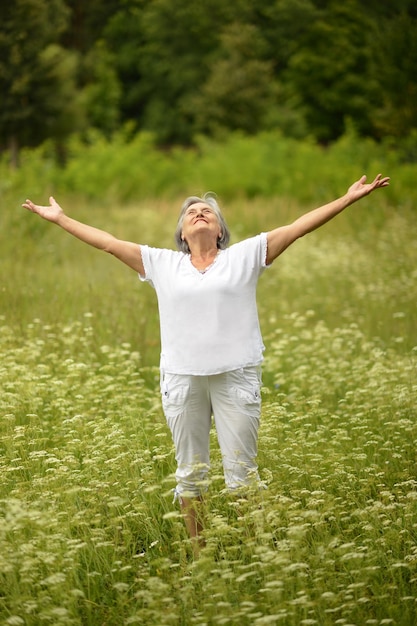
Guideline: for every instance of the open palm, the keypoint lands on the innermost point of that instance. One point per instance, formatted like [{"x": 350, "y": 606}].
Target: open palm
[
  {"x": 50, "y": 213},
  {"x": 361, "y": 188}
]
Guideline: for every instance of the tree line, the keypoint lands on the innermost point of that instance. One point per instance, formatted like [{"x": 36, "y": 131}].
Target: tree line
[{"x": 185, "y": 68}]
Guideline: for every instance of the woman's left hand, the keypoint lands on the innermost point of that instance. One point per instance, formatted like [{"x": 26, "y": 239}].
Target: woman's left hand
[{"x": 361, "y": 188}]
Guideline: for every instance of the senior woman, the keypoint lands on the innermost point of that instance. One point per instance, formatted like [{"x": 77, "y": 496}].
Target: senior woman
[{"x": 211, "y": 344}]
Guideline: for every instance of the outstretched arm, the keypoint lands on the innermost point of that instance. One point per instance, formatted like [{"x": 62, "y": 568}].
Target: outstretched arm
[
  {"x": 127, "y": 252},
  {"x": 280, "y": 238}
]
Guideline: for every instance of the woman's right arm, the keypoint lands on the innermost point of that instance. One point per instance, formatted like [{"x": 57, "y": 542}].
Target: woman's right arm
[{"x": 126, "y": 251}]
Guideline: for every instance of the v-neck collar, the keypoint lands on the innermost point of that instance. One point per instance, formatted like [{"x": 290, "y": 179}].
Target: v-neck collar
[{"x": 208, "y": 268}]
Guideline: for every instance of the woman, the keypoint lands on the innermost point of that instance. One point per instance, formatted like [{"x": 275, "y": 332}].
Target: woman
[{"x": 211, "y": 345}]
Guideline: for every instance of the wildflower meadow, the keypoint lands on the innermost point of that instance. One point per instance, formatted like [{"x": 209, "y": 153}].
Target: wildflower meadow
[{"x": 89, "y": 533}]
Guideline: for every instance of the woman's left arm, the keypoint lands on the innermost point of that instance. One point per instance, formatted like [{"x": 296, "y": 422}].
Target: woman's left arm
[{"x": 280, "y": 238}]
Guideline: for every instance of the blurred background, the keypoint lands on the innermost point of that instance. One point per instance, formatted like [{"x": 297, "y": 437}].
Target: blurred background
[{"x": 179, "y": 69}]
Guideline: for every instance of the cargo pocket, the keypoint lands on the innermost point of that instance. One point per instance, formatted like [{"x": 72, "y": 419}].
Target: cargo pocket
[
  {"x": 175, "y": 391},
  {"x": 245, "y": 389}
]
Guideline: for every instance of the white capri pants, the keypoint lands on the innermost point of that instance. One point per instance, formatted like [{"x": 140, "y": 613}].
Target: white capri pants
[{"x": 234, "y": 400}]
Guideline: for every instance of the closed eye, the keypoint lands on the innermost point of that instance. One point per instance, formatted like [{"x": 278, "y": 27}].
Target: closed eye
[{"x": 206, "y": 211}]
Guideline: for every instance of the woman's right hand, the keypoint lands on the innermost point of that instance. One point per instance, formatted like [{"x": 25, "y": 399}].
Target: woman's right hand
[{"x": 52, "y": 213}]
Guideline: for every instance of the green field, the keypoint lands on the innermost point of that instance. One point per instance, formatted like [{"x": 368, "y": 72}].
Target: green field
[{"x": 89, "y": 534}]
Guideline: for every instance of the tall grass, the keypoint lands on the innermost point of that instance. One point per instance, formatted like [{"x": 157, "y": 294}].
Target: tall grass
[{"x": 88, "y": 531}]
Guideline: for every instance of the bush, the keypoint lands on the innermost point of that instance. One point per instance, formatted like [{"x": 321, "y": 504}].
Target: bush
[{"x": 130, "y": 168}]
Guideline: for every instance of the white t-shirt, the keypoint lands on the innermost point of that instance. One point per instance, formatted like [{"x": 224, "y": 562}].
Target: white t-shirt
[{"x": 209, "y": 321}]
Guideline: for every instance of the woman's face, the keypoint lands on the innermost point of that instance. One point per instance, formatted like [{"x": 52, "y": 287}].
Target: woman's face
[{"x": 200, "y": 218}]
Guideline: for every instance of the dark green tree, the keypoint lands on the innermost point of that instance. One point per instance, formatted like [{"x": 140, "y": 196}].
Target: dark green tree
[
  {"x": 36, "y": 75},
  {"x": 87, "y": 22},
  {"x": 283, "y": 24},
  {"x": 329, "y": 73},
  {"x": 124, "y": 38},
  {"x": 182, "y": 67},
  {"x": 162, "y": 50},
  {"x": 101, "y": 94},
  {"x": 394, "y": 50},
  {"x": 239, "y": 90}
]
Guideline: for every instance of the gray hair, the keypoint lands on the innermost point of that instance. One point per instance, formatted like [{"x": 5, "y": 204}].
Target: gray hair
[{"x": 210, "y": 199}]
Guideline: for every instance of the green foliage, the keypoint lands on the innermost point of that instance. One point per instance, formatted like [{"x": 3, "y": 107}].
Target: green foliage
[
  {"x": 239, "y": 91},
  {"x": 328, "y": 71},
  {"x": 87, "y": 22},
  {"x": 394, "y": 64},
  {"x": 284, "y": 25},
  {"x": 61, "y": 117},
  {"x": 130, "y": 167},
  {"x": 33, "y": 70},
  {"x": 179, "y": 69},
  {"x": 102, "y": 93},
  {"x": 192, "y": 67},
  {"x": 169, "y": 63}
]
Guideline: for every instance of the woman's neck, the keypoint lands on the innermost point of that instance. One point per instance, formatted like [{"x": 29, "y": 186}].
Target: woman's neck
[
  {"x": 203, "y": 254},
  {"x": 203, "y": 259}
]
